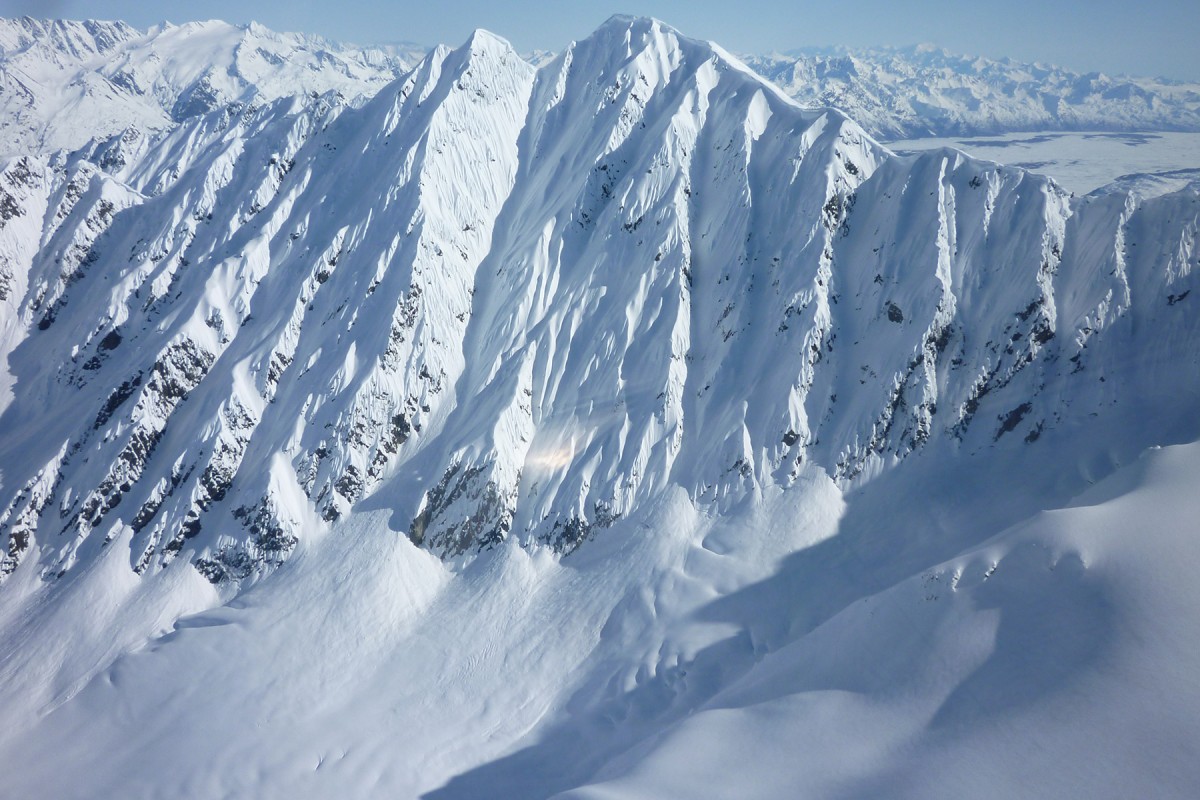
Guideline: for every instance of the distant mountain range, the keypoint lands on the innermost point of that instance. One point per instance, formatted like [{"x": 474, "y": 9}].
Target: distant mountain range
[
  {"x": 63, "y": 83},
  {"x": 910, "y": 92},
  {"x": 612, "y": 428}
]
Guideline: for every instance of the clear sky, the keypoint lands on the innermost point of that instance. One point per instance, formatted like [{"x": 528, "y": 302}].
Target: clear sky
[{"x": 1147, "y": 37}]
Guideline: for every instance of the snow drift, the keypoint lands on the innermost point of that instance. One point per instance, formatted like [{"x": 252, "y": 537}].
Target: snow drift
[{"x": 530, "y": 430}]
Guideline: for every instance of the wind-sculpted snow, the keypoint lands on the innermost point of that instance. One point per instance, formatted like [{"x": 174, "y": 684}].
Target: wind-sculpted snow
[
  {"x": 525, "y": 432},
  {"x": 519, "y": 304},
  {"x": 902, "y": 93},
  {"x": 231, "y": 277},
  {"x": 63, "y": 83},
  {"x": 650, "y": 260}
]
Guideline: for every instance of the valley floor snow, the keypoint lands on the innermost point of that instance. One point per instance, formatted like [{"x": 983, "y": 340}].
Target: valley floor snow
[{"x": 1082, "y": 162}]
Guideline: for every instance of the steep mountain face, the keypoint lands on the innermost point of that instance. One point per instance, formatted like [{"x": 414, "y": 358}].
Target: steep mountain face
[
  {"x": 904, "y": 93},
  {"x": 533, "y": 410},
  {"x": 63, "y": 83},
  {"x": 525, "y": 304}
]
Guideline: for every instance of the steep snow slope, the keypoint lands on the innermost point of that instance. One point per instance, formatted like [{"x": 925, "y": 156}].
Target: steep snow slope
[
  {"x": 229, "y": 278},
  {"x": 866, "y": 646},
  {"x": 628, "y": 367},
  {"x": 528, "y": 305},
  {"x": 902, "y": 93},
  {"x": 63, "y": 83},
  {"x": 1054, "y": 660}
]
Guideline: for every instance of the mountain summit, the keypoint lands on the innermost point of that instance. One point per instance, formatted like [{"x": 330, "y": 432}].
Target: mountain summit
[
  {"x": 519, "y": 303},
  {"x": 63, "y": 83},
  {"x": 514, "y": 431}
]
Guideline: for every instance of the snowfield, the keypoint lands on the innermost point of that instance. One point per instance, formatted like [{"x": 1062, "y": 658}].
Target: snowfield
[
  {"x": 614, "y": 428},
  {"x": 760, "y": 655},
  {"x": 1047, "y": 661},
  {"x": 1083, "y": 162}
]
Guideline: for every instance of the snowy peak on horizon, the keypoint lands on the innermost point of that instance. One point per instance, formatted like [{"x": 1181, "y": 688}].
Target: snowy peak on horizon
[
  {"x": 620, "y": 426},
  {"x": 517, "y": 304},
  {"x": 925, "y": 90},
  {"x": 63, "y": 83}
]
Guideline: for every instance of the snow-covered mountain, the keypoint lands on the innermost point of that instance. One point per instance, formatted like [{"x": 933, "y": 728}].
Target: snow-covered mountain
[
  {"x": 904, "y": 93},
  {"x": 63, "y": 82},
  {"x": 495, "y": 425},
  {"x": 418, "y": 273}
]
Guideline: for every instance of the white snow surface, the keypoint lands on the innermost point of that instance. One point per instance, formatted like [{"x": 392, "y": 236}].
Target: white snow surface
[
  {"x": 1148, "y": 163},
  {"x": 778, "y": 651},
  {"x": 63, "y": 83},
  {"x": 616, "y": 428},
  {"x": 1053, "y": 659},
  {"x": 924, "y": 90}
]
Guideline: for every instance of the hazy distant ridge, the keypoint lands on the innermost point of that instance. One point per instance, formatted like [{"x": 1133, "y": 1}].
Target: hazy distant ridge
[{"x": 901, "y": 93}]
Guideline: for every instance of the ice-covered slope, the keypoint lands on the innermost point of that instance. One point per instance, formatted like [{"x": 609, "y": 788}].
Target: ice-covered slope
[
  {"x": 530, "y": 410},
  {"x": 525, "y": 305},
  {"x": 63, "y": 82},
  {"x": 793, "y": 648},
  {"x": 232, "y": 278},
  {"x": 902, "y": 93}
]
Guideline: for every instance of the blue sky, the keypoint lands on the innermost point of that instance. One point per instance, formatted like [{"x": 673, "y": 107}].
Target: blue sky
[{"x": 1154, "y": 37}]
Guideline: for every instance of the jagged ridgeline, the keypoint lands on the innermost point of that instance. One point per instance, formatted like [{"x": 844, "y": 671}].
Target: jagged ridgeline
[
  {"x": 917, "y": 91},
  {"x": 66, "y": 82},
  {"x": 507, "y": 302}
]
